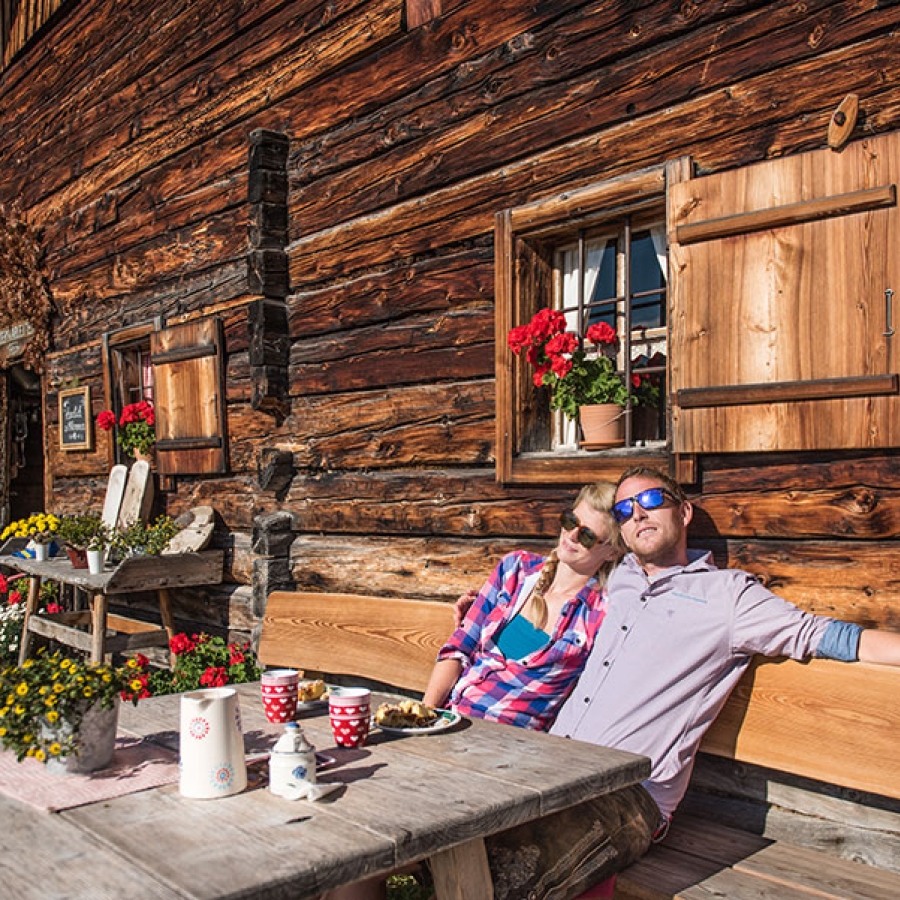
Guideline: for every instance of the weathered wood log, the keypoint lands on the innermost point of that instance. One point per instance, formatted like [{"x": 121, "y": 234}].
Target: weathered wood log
[
  {"x": 467, "y": 209},
  {"x": 456, "y": 345},
  {"x": 437, "y": 284},
  {"x": 446, "y": 423},
  {"x": 298, "y": 62}
]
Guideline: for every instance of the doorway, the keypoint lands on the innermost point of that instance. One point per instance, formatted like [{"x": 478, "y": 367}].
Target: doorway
[{"x": 25, "y": 443}]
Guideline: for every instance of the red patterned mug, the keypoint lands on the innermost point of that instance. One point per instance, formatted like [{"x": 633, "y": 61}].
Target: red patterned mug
[
  {"x": 279, "y": 694},
  {"x": 349, "y": 710}
]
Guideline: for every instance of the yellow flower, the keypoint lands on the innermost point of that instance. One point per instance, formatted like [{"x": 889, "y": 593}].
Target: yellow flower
[
  {"x": 43, "y": 689},
  {"x": 58, "y": 688},
  {"x": 50, "y": 701},
  {"x": 2, "y": 731},
  {"x": 65, "y": 664},
  {"x": 54, "y": 749},
  {"x": 52, "y": 716},
  {"x": 19, "y": 710},
  {"x": 107, "y": 678},
  {"x": 135, "y": 685},
  {"x": 88, "y": 691},
  {"x": 22, "y": 688},
  {"x": 39, "y": 755}
]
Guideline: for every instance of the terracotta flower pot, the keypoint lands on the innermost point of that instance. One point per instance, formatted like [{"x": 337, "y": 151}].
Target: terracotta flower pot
[
  {"x": 78, "y": 557},
  {"x": 149, "y": 457},
  {"x": 603, "y": 425}
]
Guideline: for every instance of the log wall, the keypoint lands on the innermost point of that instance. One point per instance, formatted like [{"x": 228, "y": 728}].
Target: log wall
[{"x": 131, "y": 147}]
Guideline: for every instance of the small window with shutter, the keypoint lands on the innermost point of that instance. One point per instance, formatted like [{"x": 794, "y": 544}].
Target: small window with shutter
[{"x": 180, "y": 370}]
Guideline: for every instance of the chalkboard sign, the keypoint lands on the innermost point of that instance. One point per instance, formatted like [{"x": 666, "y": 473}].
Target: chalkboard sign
[{"x": 75, "y": 424}]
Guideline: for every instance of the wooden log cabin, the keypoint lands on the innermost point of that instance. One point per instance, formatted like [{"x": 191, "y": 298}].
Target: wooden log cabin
[{"x": 305, "y": 230}]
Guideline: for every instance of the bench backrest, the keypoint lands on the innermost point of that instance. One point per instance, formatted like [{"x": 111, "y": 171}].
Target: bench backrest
[
  {"x": 831, "y": 721},
  {"x": 384, "y": 639}
]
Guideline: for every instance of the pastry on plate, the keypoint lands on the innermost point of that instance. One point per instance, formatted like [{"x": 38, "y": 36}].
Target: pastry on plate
[
  {"x": 307, "y": 691},
  {"x": 405, "y": 714}
]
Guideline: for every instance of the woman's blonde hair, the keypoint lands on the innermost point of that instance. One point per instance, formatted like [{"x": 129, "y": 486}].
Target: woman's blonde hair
[{"x": 600, "y": 496}]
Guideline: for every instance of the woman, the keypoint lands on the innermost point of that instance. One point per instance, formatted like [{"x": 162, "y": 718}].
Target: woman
[{"x": 521, "y": 647}]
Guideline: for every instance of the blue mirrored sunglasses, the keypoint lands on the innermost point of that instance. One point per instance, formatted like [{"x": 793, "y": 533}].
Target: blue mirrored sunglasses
[{"x": 652, "y": 498}]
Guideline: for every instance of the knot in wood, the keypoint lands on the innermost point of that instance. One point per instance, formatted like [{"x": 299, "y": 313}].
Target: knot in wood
[
  {"x": 816, "y": 36},
  {"x": 866, "y": 501},
  {"x": 457, "y": 40}
]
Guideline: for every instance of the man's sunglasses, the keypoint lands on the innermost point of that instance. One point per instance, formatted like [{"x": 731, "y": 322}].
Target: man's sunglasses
[
  {"x": 652, "y": 498},
  {"x": 585, "y": 536}
]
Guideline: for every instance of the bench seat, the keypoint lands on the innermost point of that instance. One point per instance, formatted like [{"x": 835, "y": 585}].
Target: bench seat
[
  {"x": 834, "y": 723},
  {"x": 700, "y": 860}
]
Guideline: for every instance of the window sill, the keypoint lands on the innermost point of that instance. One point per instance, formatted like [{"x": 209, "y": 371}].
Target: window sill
[{"x": 581, "y": 466}]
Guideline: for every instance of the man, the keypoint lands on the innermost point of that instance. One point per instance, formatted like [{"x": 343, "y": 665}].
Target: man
[{"x": 677, "y": 636}]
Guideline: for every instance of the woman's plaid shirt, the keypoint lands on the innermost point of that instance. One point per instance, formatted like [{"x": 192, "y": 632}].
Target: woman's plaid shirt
[{"x": 526, "y": 692}]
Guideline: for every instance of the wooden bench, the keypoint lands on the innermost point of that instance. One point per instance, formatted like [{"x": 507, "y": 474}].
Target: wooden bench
[
  {"x": 836, "y": 723},
  {"x": 383, "y": 639}
]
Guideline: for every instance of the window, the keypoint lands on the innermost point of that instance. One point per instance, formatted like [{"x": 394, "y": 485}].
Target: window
[
  {"x": 597, "y": 254},
  {"x": 618, "y": 276},
  {"x": 129, "y": 371},
  {"x": 180, "y": 370}
]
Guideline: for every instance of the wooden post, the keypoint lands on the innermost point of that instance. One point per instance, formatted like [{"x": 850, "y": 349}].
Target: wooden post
[{"x": 31, "y": 605}]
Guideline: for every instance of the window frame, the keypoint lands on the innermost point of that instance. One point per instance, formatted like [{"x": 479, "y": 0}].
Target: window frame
[
  {"x": 524, "y": 283},
  {"x": 123, "y": 340}
]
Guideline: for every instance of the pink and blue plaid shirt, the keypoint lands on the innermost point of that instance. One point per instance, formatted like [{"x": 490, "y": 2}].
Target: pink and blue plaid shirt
[{"x": 526, "y": 692}]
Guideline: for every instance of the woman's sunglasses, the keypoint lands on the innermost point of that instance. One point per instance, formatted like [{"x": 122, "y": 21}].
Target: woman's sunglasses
[
  {"x": 652, "y": 498},
  {"x": 585, "y": 536}
]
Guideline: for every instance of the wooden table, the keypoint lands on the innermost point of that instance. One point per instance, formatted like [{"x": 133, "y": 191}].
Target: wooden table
[
  {"x": 139, "y": 573},
  {"x": 404, "y": 799}
]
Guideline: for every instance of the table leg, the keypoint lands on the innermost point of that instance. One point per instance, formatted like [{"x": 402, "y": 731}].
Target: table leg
[
  {"x": 165, "y": 614},
  {"x": 462, "y": 873},
  {"x": 99, "y": 609},
  {"x": 31, "y": 606}
]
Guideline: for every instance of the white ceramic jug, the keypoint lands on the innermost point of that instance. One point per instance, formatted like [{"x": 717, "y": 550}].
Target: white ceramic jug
[{"x": 212, "y": 744}]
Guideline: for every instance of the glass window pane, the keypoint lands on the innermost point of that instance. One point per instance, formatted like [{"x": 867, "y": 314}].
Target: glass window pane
[{"x": 649, "y": 309}]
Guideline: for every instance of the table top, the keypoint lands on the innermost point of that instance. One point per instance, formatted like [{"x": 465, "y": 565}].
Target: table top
[
  {"x": 136, "y": 573},
  {"x": 403, "y": 798}
]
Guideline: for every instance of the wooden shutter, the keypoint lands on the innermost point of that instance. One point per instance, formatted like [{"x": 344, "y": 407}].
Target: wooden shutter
[
  {"x": 189, "y": 398},
  {"x": 782, "y": 278}
]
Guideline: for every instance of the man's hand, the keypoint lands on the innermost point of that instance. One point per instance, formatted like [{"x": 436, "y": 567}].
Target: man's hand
[{"x": 462, "y": 605}]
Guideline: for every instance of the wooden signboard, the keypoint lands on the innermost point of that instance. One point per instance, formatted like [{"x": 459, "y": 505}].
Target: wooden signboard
[{"x": 75, "y": 425}]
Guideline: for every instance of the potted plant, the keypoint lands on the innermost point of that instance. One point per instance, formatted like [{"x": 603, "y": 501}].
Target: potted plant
[
  {"x": 96, "y": 549},
  {"x": 55, "y": 708},
  {"x": 144, "y": 539},
  {"x": 39, "y": 528},
  {"x": 78, "y": 532},
  {"x": 577, "y": 378},
  {"x": 136, "y": 428}
]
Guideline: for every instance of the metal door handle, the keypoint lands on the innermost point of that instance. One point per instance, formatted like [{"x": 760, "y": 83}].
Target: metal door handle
[{"x": 888, "y": 325}]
